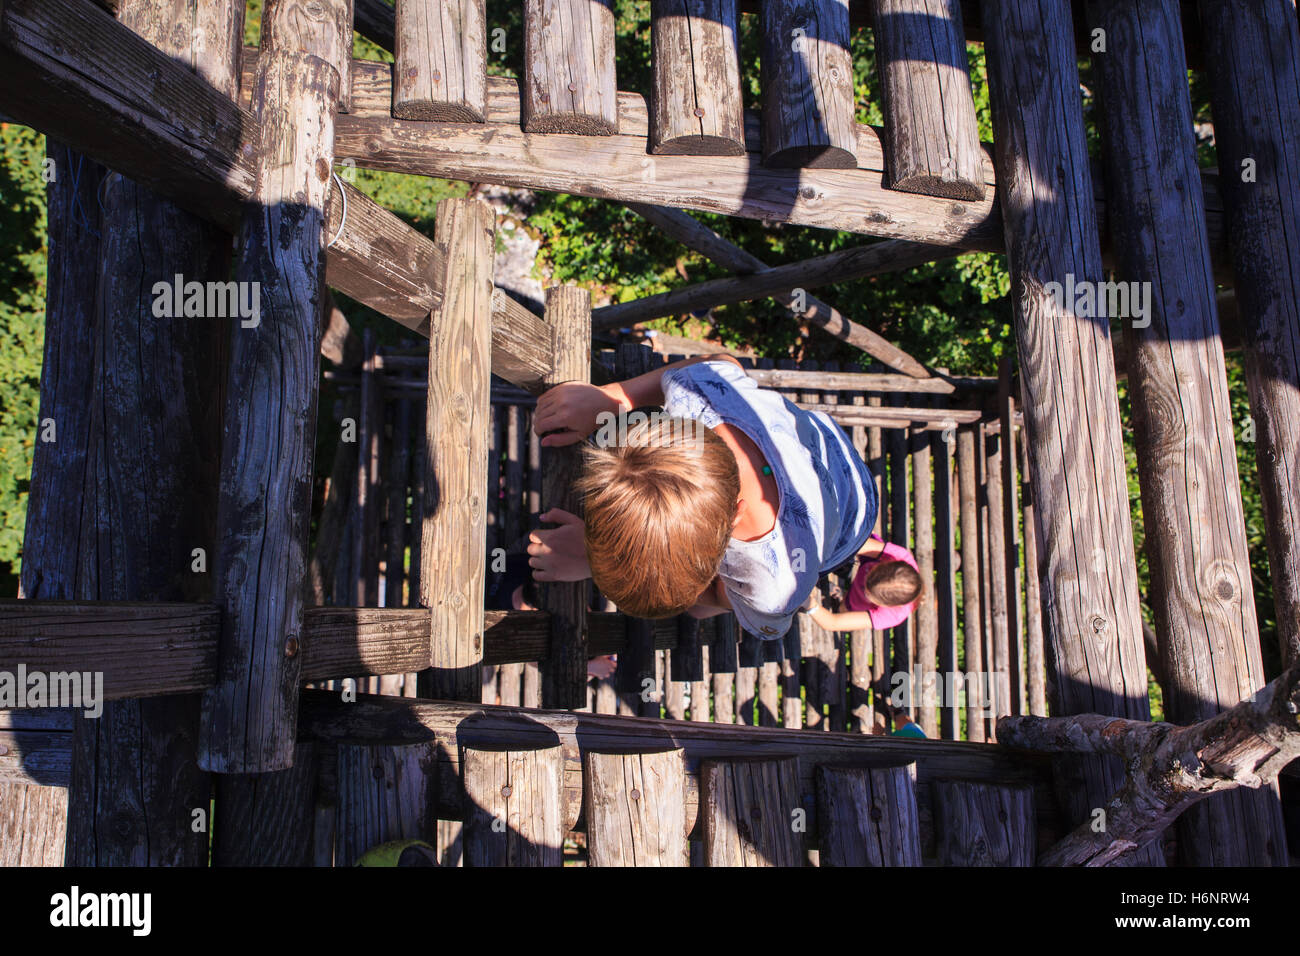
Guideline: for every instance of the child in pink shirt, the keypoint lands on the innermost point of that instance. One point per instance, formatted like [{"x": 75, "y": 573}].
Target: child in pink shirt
[{"x": 885, "y": 590}]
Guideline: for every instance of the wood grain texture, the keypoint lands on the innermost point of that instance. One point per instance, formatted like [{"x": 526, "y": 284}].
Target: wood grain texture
[
  {"x": 1253, "y": 60},
  {"x": 999, "y": 637},
  {"x": 1010, "y": 480},
  {"x": 972, "y": 626},
  {"x": 1201, "y": 589},
  {"x": 440, "y": 71},
  {"x": 268, "y": 819},
  {"x": 516, "y": 807},
  {"x": 695, "y": 103},
  {"x": 635, "y": 807},
  {"x": 926, "y": 616},
  {"x": 1091, "y": 617},
  {"x": 31, "y": 823},
  {"x": 945, "y": 567},
  {"x": 983, "y": 824},
  {"x": 384, "y": 793},
  {"x": 807, "y": 85},
  {"x": 748, "y": 809},
  {"x": 564, "y": 673},
  {"x": 1035, "y": 666},
  {"x": 868, "y": 817},
  {"x": 568, "y": 84},
  {"x": 452, "y": 541},
  {"x": 264, "y": 504},
  {"x": 931, "y": 133}
]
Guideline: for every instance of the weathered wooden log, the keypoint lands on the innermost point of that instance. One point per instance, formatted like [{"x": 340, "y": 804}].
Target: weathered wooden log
[
  {"x": 269, "y": 819},
  {"x": 868, "y": 817},
  {"x": 902, "y": 648},
  {"x": 1169, "y": 768},
  {"x": 264, "y": 504},
  {"x": 751, "y": 812},
  {"x": 1011, "y": 537},
  {"x": 1201, "y": 589},
  {"x": 807, "y": 85},
  {"x": 1035, "y": 666},
  {"x": 384, "y": 793},
  {"x": 396, "y": 535},
  {"x": 695, "y": 103},
  {"x": 365, "y": 511},
  {"x": 568, "y": 84},
  {"x": 926, "y": 616},
  {"x": 687, "y": 662},
  {"x": 516, "y": 804},
  {"x": 456, "y": 423},
  {"x": 932, "y": 142},
  {"x": 1091, "y": 608},
  {"x": 440, "y": 68},
  {"x": 945, "y": 555},
  {"x": 979, "y": 824},
  {"x": 999, "y": 665},
  {"x": 564, "y": 674},
  {"x": 635, "y": 807},
  {"x": 1253, "y": 60},
  {"x": 972, "y": 620}
]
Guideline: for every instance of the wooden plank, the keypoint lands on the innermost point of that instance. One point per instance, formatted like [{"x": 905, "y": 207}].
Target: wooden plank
[
  {"x": 931, "y": 133},
  {"x": 569, "y": 84},
  {"x": 440, "y": 50},
  {"x": 868, "y": 817},
  {"x": 748, "y": 809},
  {"x": 972, "y": 619},
  {"x": 983, "y": 824},
  {"x": 1036, "y": 675},
  {"x": 40, "y": 758},
  {"x": 385, "y": 793},
  {"x": 376, "y": 21},
  {"x": 945, "y": 490},
  {"x": 998, "y": 586},
  {"x": 1253, "y": 60},
  {"x": 696, "y": 106},
  {"x": 397, "y": 535},
  {"x": 1201, "y": 588},
  {"x": 635, "y": 806},
  {"x": 365, "y": 543},
  {"x": 1011, "y": 537},
  {"x": 269, "y": 819},
  {"x": 902, "y": 636},
  {"x": 926, "y": 617},
  {"x": 516, "y": 806},
  {"x": 1091, "y": 613},
  {"x": 807, "y": 85},
  {"x": 31, "y": 829},
  {"x": 456, "y": 422},
  {"x": 564, "y": 674}
]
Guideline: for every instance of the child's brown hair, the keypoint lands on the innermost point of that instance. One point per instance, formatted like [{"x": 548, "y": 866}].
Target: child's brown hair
[
  {"x": 892, "y": 583},
  {"x": 660, "y": 506}
]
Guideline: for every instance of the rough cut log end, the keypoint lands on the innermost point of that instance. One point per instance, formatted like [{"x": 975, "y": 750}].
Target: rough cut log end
[
  {"x": 700, "y": 145},
  {"x": 930, "y": 185},
  {"x": 811, "y": 157},
  {"x": 432, "y": 111},
  {"x": 573, "y": 123}
]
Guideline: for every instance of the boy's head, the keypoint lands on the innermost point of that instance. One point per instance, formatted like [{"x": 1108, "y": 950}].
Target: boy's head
[
  {"x": 660, "y": 507},
  {"x": 892, "y": 583}
]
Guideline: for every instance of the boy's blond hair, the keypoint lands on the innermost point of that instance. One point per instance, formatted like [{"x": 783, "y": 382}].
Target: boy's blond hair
[{"x": 660, "y": 506}]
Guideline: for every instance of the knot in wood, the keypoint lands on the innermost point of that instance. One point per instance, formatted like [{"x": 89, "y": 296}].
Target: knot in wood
[
  {"x": 506, "y": 790},
  {"x": 875, "y": 812},
  {"x": 957, "y": 209},
  {"x": 377, "y": 771},
  {"x": 291, "y": 647},
  {"x": 544, "y": 97},
  {"x": 322, "y": 170},
  {"x": 1224, "y": 590},
  {"x": 315, "y": 9},
  {"x": 1098, "y": 623},
  {"x": 755, "y": 813},
  {"x": 635, "y": 794}
]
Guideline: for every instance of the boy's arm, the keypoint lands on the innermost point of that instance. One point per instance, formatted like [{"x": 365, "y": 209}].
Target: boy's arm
[
  {"x": 648, "y": 389},
  {"x": 843, "y": 621}
]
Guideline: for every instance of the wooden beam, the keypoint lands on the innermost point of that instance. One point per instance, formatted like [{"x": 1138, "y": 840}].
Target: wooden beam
[
  {"x": 635, "y": 805},
  {"x": 516, "y": 807},
  {"x": 840, "y": 266},
  {"x": 932, "y": 141},
  {"x": 694, "y": 234},
  {"x": 375, "y": 20},
  {"x": 264, "y": 502},
  {"x": 868, "y": 816},
  {"x": 695, "y": 103},
  {"x": 569, "y": 84},
  {"x": 452, "y": 540},
  {"x": 1201, "y": 588},
  {"x": 441, "y": 60},
  {"x": 1088, "y": 568}
]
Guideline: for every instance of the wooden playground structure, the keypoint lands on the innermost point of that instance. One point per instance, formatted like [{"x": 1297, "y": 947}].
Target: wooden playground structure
[{"x": 305, "y": 703}]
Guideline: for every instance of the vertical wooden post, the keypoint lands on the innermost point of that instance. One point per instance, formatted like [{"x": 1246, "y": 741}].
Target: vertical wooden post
[
  {"x": 1066, "y": 367},
  {"x": 1000, "y": 635},
  {"x": 926, "y": 618},
  {"x": 945, "y": 573},
  {"x": 264, "y": 506},
  {"x": 791, "y": 663},
  {"x": 635, "y": 806},
  {"x": 700, "y": 690},
  {"x": 365, "y": 545},
  {"x": 515, "y": 814},
  {"x": 972, "y": 621},
  {"x": 564, "y": 672},
  {"x": 1035, "y": 666},
  {"x": 440, "y": 53},
  {"x": 1201, "y": 588},
  {"x": 1011, "y": 537},
  {"x": 695, "y": 104},
  {"x": 453, "y": 539},
  {"x": 269, "y": 819},
  {"x": 385, "y": 793},
  {"x": 569, "y": 84},
  {"x": 900, "y": 532},
  {"x": 807, "y": 83},
  {"x": 932, "y": 142},
  {"x": 979, "y": 824},
  {"x": 1252, "y": 54},
  {"x": 868, "y": 817},
  {"x": 748, "y": 811}
]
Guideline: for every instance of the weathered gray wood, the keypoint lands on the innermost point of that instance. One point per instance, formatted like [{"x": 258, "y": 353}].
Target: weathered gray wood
[
  {"x": 972, "y": 619},
  {"x": 268, "y": 819},
  {"x": 264, "y": 504},
  {"x": 932, "y": 141},
  {"x": 564, "y": 674},
  {"x": 999, "y": 664},
  {"x": 926, "y": 617},
  {"x": 902, "y": 637},
  {"x": 635, "y": 807},
  {"x": 748, "y": 810},
  {"x": 1201, "y": 588},
  {"x": 700, "y": 690},
  {"x": 945, "y": 555},
  {"x": 695, "y": 103},
  {"x": 456, "y": 439},
  {"x": 1091, "y": 609},
  {"x": 1035, "y": 666},
  {"x": 1011, "y": 537},
  {"x": 868, "y": 817},
  {"x": 568, "y": 84},
  {"x": 807, "y": 85},
  {"x": 516, "y": 806},
  {"x": 32, "y": 824},
  {"x": 983, "y": 824},
  {"x": 1253, "y": 60},
  {"x": 365, "y": 542},
  {"x": 384, "y": 793},
  {"x": 440, "y": 68},
  {"x": 396, "y": 530}
]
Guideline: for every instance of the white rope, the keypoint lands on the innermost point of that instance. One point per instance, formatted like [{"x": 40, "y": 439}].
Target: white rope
[{"x": 343, "y": 221}]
